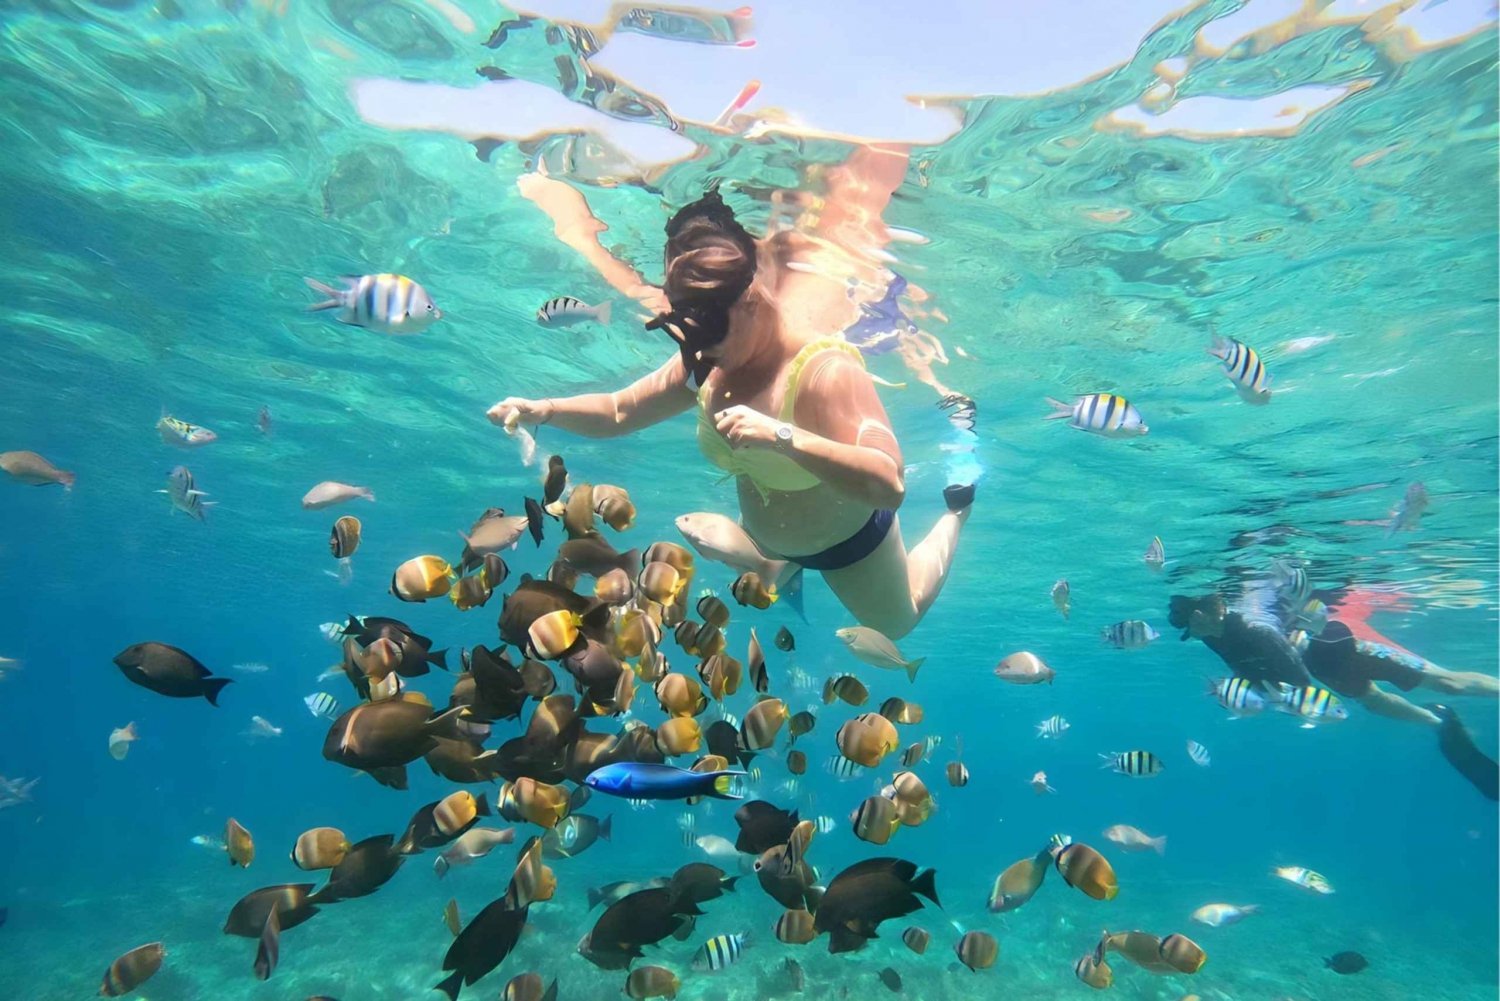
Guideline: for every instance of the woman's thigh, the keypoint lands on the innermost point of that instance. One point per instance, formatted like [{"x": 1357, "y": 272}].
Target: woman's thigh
[{"x": 876, "y": 590}]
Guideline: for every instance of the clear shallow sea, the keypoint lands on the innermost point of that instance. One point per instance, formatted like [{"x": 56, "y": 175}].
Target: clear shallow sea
[{"x": 173, "y": 170}]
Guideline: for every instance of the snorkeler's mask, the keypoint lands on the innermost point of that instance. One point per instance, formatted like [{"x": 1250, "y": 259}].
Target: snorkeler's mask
[{"x": 700, "y": 321}]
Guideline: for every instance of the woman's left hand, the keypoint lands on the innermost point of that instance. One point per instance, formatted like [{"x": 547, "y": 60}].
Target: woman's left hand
[{"x": 745, "y": 427}]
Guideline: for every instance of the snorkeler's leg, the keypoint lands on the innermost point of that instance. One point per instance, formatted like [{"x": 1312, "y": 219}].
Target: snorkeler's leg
[
  {"x": 1448, "y": 682},
  {"x": 1392, "y": 706},
  {"x": 872, "y": 589}
]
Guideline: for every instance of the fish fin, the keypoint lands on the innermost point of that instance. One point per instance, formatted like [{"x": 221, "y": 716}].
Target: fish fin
[
  {"x": 438, "y": 657},
  {"x": 482, "y": 807},
  {"x": 452, "y": 985},
  {"x": 1059, "y": 410},
  {"x": 1106, "y": 761},
  {"x": 723, "y": 785},
  {"x": 911, "y": 668},
  {"x": 1218, "y": 346},
  {"x": 792, "y": 589},
  {"x": 212, "y": 687},
  {"x": 551, "y": 994},
  {"x": 926, "y": 885},
  {"x": 1160, "y": 844},
  {"x": 606, "y": 828},
  {"x": 332, "y": 302},
  {"x": 604, "y": 311}
]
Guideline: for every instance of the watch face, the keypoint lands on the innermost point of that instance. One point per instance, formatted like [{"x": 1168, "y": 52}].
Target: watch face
[{"x": 784, "y": 434}]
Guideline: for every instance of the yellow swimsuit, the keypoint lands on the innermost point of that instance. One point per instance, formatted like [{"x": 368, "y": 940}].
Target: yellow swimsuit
[{"x": 768, "y": 470}]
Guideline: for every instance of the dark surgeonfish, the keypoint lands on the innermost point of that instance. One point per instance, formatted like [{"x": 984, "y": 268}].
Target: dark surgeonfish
[
  {"x": 762, "y": 826},
  {"x": 867, "y": 893},
  {"x": 480, "y": 947},
  {"x": 269, "y": 950},
  {"x": 132, "y": 969},
  {"x": 381, "y": 734},
  {"x": 699, "y": 882},
  {"x": 365, "y": 868},
  {"x": 644, "y": 917},
  {"x": 293, "y": 901},
  {"x": 166, "y": 670},
  {"x": 1458, "y": 746}
]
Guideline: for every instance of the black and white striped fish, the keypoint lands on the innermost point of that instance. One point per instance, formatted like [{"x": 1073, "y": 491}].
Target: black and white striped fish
[
  {"x": 1238, "y": 695},
  {"x": 1244, "y": 368},
  {"x": 962, "y": 411},
  {"x": 384, "y": 303},
  {"x": 1132, "y": 634},
  {"x": 1312, "y": 704},
  {"x": 1136, "y": 764},
  {"x": 1051, "y": 728},
  {"x": 1101, "y": 413},
  {"x": 185, "y": 495},
  {"x": 1156, "y": 554},
  {"x": 1198, "y": 753},
  {"x": 564, "y": 311},
  {"x": 719, "y": 952},
  {"x": 1291, "y": 583},
  {"x": 322, "y": 705},
  {"x": 842, "y": 768}
]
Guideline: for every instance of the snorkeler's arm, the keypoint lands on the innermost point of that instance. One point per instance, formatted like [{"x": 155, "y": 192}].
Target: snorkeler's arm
[
  {"x": 660, "y": 395},
  {"x": 575, "y": 225},
  {"x": 840, "y": 434}
]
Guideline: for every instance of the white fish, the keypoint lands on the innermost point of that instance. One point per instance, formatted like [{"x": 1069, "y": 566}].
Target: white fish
[
  {"x": 842, "y": 768},
  {"x": 1039, "y": 784},
  {"x": 565, "y": 311},
  {"x": 331, "y": 492},
  {"x": 876, "y": 649},
  {"x": 1060, "y": 595},
  {"x": 321, "y": 704},
  {"x": 185, "y": 495},
  {"x": 251, "y": 667},
  {"x": 473, "y": 844},
  {"x": 789, "y": 789},
  {"x": 1156, "y": 554},
  {"x": 641, "y": 804},
  {"x": 1133, "y": 839},
  {"x": 722, "y": 540},
  {"x": 800, "y": 680},
  {"x": 1100, "y": 413},
  {"x": 384, "y": 303},
  {"x": 332, "y": 671},
  {"x": 1409, "y": 512},
  {"x": 825, "y": 824},
  {"x": 1052, "y": 727},
  {"x": 333, "y": 632},
  {"x": 208, "y": 841},
  {"x": 716, "y": 846},
  {"x": 1306, "y": 878},
  {"x": 1298, "y": 345},
  {"x": 8, "y": 664},
  {"x": 120, "y": 740},
  {"x": 261, "y": 727},
  {"x": 1221, "y": 915},
  {"x": 1244, "y": 368},
  {"x": 1198, "y": 753}
]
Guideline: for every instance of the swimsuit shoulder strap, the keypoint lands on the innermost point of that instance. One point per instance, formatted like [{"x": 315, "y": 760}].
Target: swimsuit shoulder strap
[{"x": 803, "y": 359}]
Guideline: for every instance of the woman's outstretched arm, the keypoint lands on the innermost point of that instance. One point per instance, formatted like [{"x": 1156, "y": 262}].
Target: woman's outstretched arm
[
  {"x": 575, "y": 225},
  {"x": 650, "y": 400}
]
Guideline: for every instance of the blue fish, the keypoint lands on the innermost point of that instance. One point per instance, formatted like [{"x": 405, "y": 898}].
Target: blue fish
[{"x": 644, "y": 780}]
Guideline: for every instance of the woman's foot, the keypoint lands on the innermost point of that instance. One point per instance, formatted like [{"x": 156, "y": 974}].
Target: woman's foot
[{"x": 959, "y": 496}]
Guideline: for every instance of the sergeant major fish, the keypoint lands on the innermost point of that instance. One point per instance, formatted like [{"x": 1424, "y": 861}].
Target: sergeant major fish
[
  {"x": 1100, "y": 413},
  {"x": 185, "y": 495},
  {"x": 565, "y": 311},
  {"x": 1244, "y": 368},
  {"x": 384, "y": 303}
]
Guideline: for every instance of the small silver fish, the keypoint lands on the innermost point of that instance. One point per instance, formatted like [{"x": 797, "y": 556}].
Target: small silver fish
[
  {"x": 1052, "y": 727},
  {"x": 182, "y": 434},
  {"x": 1132, "y": 634},
  {"x": 1409, "y": 512},
  {"x": 1198, "y": 753},
  {"x": 1156, "y": 554},
  {"x": 565, "y": 311},
  {"x": 184, "y": 494},
  {"x": 1060, "y": 595}
]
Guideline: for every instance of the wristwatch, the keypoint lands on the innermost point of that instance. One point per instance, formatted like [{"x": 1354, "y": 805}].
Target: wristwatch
[{"x": 783, "y": 437}]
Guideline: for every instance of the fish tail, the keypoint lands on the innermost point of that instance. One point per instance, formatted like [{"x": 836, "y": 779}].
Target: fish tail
[
  {"x": 334, "y": 297},
  {"x": 723, "y": 785},
  {"x": 1218, "y": 346},
  {"x": 482, "y": 807},
  {"x": 604, "y": 311},
  {"x": 451, "y": 986},
  {"x": 1059, "y": 410},
  {"x": 911, "y": 668},
  {"x": 607, "y": 828},
  {"x": 1160, "y": 844},
  {"x": 926, "y": 885},
  {"x": 212, "y": 687},
  {"x": 1106, "y": 761}
]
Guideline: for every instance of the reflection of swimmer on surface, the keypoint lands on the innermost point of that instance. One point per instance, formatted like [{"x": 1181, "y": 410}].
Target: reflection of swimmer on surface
[{"x": 792, "y": 414}]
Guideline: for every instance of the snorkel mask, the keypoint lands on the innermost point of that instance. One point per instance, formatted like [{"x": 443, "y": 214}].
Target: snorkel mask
[{"x": 699, "y": 318}]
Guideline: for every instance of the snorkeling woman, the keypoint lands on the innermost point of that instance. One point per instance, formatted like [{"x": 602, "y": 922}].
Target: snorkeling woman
[{"x": 792, "y": 415}]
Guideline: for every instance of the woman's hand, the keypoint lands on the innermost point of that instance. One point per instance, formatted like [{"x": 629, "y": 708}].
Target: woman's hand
[
  {"x": 745, "y": 427},
  {"x": 513, "y": 410}
]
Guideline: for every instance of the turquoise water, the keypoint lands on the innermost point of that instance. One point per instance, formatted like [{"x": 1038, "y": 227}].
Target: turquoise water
[{"x": 174, "y": 169}]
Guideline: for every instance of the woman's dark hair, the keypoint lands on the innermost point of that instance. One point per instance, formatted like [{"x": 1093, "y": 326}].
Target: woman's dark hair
[{"x": 710, "y": 264}]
